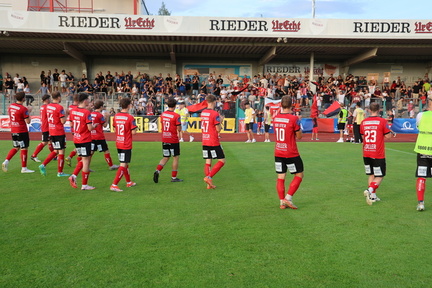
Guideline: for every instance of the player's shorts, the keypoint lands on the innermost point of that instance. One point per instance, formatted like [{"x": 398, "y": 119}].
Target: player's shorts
[
  {"x": 315, "y": 130},
  {"x": 21, "y": 140},
  {"x": 84, "y": 149},
  {"x": 184, "y": 126},
  {"x": 213, "y": 152},
  {"x": 170, "y": 149},
  {"x": 424, "y": 166},
  {"x": 266, "y": 128},
  {"x": 45, "y": 136},
  {"x": 376, "y": 167},
  {"x": 99, "y": 145},
  {"x": 124, "y": 155},
  {"x": 341, "y": 126},
  {"x": 58, "y": 142},
  {"x": 248, "y": 126},
  {"x": 292, "y": 165}
]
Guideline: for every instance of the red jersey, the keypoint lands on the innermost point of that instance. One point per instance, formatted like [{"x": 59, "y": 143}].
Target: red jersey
[
  {"x": 170, "y": 122},
  {"x": 124, "y": 123},
  {"x": 17, "y": 114},
  {"x": 80, "y": 117},
  {"x": 374, "y": 128},
  {"x": 285, "y": 127},
  {"x": 71, "y": 107},
  {"x": 44, "y": 119},
  {"x": 97, "y": 132},
  {"x": 209, "y": 119},
  {"x": 54, "y": 113}
]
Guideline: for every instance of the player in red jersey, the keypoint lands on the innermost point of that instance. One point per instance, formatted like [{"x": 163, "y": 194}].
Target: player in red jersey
[
  {"x": 19, "y": 118},
  {"x": 98, "y": 138},
  {"x": 82, "y": 125},
  {"x": 56, "y": 119},
  {"x": 125, "y": 127},
  {"x": 46, "y": 99},
  {"x": 72, "y": 154},
  {"x": 374, "y": 129},
  {"x": 210, "y": 128},
  {"x": 287, "y": 158},
  {"x": 171, "y": 127}
]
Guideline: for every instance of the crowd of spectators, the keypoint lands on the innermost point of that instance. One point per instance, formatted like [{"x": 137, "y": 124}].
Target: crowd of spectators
[{"x": 149, "y": 92}]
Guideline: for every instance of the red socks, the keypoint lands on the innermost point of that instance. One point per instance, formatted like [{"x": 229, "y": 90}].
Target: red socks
[
  {"x": 174, "y": 174},
  {"x": 280, "y": 187},
  {"x": 207, "y": 169},
  {"x": 85, "y": 176},
  {"x": 78, "y": 168},
  {"x": 50, "y": 157},
  {"x": 374, "y": 187},
  {"x": 11, "y": 153},
  {"x": 159, "y": 167},
  {"x": 295, "y": 183},
  {"x": 39, "y": 148},
  {"x": 24, "y": 158},
  {"x": 108, "y": 159},
  {"x": 126, "y": 174},
  {"x": 72, "y": 154},
  {"x": 216, "y": 168},
  {"x": 50, "y": 147},
  {"x": 60, "y": 163},
  {"x": 119, "y": 175},
  {"x": 421, "y": 187}
]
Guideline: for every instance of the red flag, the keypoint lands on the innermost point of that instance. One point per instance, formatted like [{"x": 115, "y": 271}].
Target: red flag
[
  {"x": 197, "y": 107},
  {"x": 333, "y": 109},
  {"x": 314, "y": 108}
]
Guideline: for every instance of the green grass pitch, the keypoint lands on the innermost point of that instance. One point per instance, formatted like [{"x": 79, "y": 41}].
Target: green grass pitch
[{"x": 183, "y": 235}]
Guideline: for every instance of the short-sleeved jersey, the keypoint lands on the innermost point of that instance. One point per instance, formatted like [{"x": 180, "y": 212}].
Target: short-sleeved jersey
[
  {"x": 124, "y": 123},
  {"x": 80, "y": 117},
  {"x": 249, "y": 114},
  {"x": 209, "y": 119},
  {"x": 54, "y": 113},
  {"x": 44, "y": 119},
  {"x": 70, "y": 108},
  {"x": 97, "y": 132},
  {"x": 170, "y": 121},
  {"x": 374, "y": 128},
  {"x": 285, "y": 126},
  {"x": 17, "y": 114},
  {"x": 183, "y": 113}
]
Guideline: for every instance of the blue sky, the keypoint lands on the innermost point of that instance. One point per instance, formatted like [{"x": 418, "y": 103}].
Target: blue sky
[{"x": 327, "y": 9}]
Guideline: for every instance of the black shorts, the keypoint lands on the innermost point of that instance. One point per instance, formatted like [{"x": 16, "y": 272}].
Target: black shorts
[
  {"x": 293, "y": 165},
  {"x": 266, "y": 128},
  {"x": 58, "y": 142},
  {"x": 124, "y": 155},
  {"x": 424, "y": 166},
  {"x": 341, "y": 126},
  {"x": 84, "y": 149},
  {"x": 99, "y": 145},
  {"x": 45, "y": 136},
  {"x": 248, "y": 126},
  {"x": 170, "y": 149},
  {"x": 376, "y": 167},
  {"x": 213, "y": 152},
  {"x": 21, "y": 140}
]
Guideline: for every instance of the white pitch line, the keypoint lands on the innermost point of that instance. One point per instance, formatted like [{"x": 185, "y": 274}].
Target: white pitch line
[{"x": 409, "y": 153}]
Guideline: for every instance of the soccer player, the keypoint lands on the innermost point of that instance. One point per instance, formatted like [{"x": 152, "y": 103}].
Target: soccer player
[
  {"x": 343, "y": 115},
  {"x": 19, "y": 118},
  {"x": 184, "y": 113},
  {"x": 171, "y": 126},
  {"x": 72, "y": 154},
  {"x": 210, "y": 128},
  {"x": 125, "y": 127},
  {"x": 287, "y": 158},
  {"x": 82, "y": 125},
  {"x": 249, "y": 121},
  {"x": 423, "y": 147},
  {"x": 98, "y": 138},
  {"x": 374, "y": 129},
  {"x": 46, "y": 99},
  {"x": 56, "y": 119}
]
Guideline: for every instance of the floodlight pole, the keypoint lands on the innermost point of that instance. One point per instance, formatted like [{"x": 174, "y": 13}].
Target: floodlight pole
[{"x": 313, "y": 8}]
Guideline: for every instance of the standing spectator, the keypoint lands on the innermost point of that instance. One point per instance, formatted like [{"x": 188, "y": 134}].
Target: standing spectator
[
  {"x": 423, "y": 148},
  {"x": 125, "y": 127},
  {"x": 249, "y": 122},
  {"x": 63, "y": 78},
  {"x": 374, "y": 129},
  {"x": 171, "y": 126},
  {"x": 19, "y": 118},
  {"x": 184, "y": 114},
  {"x": 267, "y": 123},
  {"x": 287, "y": 157},
  {"x": 55, "y": 76},
  {"x": 9, "y": 86},
  {"x": 211, "y": 148},
  {"x": 343, "y": 115},
  {"x": 359, "y": 116}
]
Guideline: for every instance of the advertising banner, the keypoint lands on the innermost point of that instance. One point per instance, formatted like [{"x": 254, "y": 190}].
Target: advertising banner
[
  {"x": 404, "y": 125},
  {"x": 4, "y": 123}
]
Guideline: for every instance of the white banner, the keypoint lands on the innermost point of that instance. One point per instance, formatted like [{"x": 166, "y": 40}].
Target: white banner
[{"x": 302, "y": 68}]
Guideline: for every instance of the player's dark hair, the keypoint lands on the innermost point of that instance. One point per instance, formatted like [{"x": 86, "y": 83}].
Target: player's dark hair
[
  {"x": 56, "y": 95},
  {"x": 124, "y": 103},
  {"x": 267, "y": 107},
  {"x": 82, "y": 97},
  {"x": 286, "y": 102},
  {"x": 19, "y": 96},
  {"x": 45, "y": 97},
  {"x": 374, "y": 107},
  {"x": 358, "y": 104},
  {"x": 210, "y": 98},
  {"x": 76, "y": 98},
  {"x": 171, "y": 102},
  {"x": 97, "y": 104}
]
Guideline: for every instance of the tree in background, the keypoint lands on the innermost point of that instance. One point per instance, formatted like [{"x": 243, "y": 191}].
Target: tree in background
[{"x": 163, "y": 11}]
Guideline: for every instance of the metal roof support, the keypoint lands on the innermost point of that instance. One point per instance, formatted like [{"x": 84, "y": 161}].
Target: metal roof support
[
  {"x": 271, "y": 53},
  {"x": 311, "y": 72},
  {"x": 74, "y": 53},
  {"x": 173, "y": 55},
  {"x": 361, "y": 58}
]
